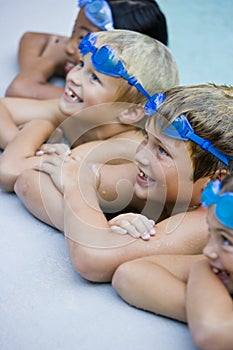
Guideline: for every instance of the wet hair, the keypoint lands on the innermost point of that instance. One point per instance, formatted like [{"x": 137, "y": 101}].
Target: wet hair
[
  {"x": 147, "y": 59},
  {"x": 143, "y": 16},
  {"x": 227, "y": 184},
  {"x": 209, "y": 109}
]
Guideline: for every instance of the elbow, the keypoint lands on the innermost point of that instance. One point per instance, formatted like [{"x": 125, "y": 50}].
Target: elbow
[
  {"x": 17, "y": 88},
  {"x": 207, "y": 336},
  {"x": 22, "y": 184},
  {"x": 123, "y": 279},
  {"x": 93, "y": 264},
  {"x": 8, "y": 176}
]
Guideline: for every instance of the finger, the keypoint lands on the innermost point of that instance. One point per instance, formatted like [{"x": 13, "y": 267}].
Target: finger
[
  {"x": 60, "y": 149},
  {"x": 131, "y": 229},
  {"x": 54, "y": 160},
  {"x": 145, "y": 236},
  {"x": 45, "y": 167},
  {"x": 140, "y": 224},
  {"x": 116, "y": 220},
  {"x": 150, "y": 226},
  {"x": 118, "y": 229}
]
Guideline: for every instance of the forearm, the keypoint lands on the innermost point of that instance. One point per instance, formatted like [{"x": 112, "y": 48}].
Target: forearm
[
  {"x": 19, "y": 155},
  {"x": 209, "y": 309},
  {"x": 137, "y": 282},
  {"x": 33, "y": 82},
  {"x": 31, "y": 46},
  {"x": 95, "y": 251},
  {"x": 8, "y": 128},
  {"x": 85, "y": 222},
  {"x": 99, "y": 264},
  {"x": 151, "y": 287},
  {"x": 40, "y": 56},
  {"x": 42, "y": 199}
]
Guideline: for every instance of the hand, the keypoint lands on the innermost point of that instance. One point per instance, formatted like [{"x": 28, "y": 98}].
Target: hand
[
  {"x": 66, "y": 171},
  {"x": 58, "y": 148},
  {"x": 56, "y": 50},
  {"x": 136, "y": 225},
  {"x": 62, "y": 169}
]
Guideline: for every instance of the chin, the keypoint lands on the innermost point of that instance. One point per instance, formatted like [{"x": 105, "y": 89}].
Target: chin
[
  {"x": 140, "y": 192},
  {"x": 63, "y": 108}
]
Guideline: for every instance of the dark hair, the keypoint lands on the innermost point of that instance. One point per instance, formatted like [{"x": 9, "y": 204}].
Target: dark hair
[
  {"x": 143, "y": 16},
  {"x": 227, "y": 184}
]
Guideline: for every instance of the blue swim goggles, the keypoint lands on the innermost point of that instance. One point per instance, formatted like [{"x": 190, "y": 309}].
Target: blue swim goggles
[
  {"x": 181, "y": 129},
  {"x": 105, "y": 61},
  {"x": 223, "y": 202},
  {"x": 98, "y": 12}
]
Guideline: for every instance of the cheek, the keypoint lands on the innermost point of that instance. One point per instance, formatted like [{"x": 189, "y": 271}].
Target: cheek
[
  {"x": 179, "y": 185},
  {"x": 227, "y": 262}
]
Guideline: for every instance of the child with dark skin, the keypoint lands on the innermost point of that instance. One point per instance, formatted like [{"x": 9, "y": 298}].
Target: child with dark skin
[{"x": 42, "y": 56}]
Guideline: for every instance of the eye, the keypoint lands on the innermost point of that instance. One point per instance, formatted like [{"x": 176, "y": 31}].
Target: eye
[
  {"x": 162, "y": 151},
  {"x": 80, "y": 65},
  {"x": 95, "y": 78},
  {"x": 225, "y": 241}
]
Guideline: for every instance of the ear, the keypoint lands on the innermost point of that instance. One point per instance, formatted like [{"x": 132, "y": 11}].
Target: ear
[
  {"x": 132, "y": 115},
  {"x": 219, "y": 174}
]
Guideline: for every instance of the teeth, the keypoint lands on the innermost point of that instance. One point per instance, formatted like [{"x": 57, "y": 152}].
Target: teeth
[
  {"x": 217, "y": 271},
  {"x": 142, "y": 174},
  {"x": 70, "y": 94}
]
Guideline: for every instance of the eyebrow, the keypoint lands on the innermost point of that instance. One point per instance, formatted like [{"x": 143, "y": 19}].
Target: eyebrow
[
  {"x": 85, "y": 28},
  {"x": 225, "y": 231},
  {"x": 162, "y": 143}
]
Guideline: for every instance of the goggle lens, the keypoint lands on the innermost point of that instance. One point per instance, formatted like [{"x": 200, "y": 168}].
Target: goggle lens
[
  {"x": 105, "y": 61},
  {"x": 181, "y": 129},
  {"x": 98, "y": 12},
  {"x": 223, "y": 202}
]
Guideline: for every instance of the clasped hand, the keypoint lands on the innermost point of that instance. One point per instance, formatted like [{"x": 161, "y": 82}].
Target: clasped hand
[{"x": 65, "y": 170}]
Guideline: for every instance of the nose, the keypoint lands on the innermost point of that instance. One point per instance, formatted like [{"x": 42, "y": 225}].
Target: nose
[
  {"x": 211, "y": 249},
  {"x": 72, "y": 48},
  {"x": 142, "y": 154},
  {"x": 74, "y": 76}
]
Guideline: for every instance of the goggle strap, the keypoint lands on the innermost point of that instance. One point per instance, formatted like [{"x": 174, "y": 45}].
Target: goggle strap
[
  {"x": 153, "y": 103},
  {"x": 207, "y": 146},
  {"x": 142, "y": 90}
]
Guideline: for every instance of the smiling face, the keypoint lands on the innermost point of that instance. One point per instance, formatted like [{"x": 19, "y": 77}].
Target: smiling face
[
  {"x": 219, "y": 250},
  {"x": 86, "y": 87},
  {"x": 165, "y": 170},
  {"x": 81, "y": 27}
]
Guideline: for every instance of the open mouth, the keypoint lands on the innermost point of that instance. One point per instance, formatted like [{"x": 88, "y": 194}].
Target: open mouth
[
  {"x": 73, "y": 96},
  {"x": 68, "y": 66},
  {"x": 223, "y": 275},
  {"x": 144, "y": 177}
]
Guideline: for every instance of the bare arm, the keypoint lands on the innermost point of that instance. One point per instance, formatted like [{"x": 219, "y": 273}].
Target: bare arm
[
  {"x": 8, "y": 128},
  {"x": 20, "y": 152},
  {"x": 15, "y": 112},
  {"x": 96, "y": 252},
  {"x": 156, "y": 283},
  {"x": 31, "y": 46},
  {"x": 41, "y": 56},
  {"x": 209, "y": 309},
  {"x": 42, "y": 198}
]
